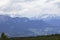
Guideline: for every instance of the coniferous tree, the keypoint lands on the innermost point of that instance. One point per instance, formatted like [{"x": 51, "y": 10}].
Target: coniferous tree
[{"x": 4, "y": 37}]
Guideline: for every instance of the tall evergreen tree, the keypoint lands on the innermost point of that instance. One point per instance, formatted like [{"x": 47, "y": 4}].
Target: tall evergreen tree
[{"x": 4, "y": 37}]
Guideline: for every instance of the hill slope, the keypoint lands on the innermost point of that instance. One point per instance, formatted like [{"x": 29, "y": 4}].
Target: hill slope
[
  {"x": 46, "y": 37},
  {"x": 22, "y": 26}
]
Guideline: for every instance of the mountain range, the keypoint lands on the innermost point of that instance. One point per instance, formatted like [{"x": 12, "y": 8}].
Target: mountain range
[{"x": 23, "y": 26}]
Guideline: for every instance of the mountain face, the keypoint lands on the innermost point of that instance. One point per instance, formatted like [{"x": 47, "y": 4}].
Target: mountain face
[
  {"x": 52, "y": 20},
  {"x": 22, "y": 26}
]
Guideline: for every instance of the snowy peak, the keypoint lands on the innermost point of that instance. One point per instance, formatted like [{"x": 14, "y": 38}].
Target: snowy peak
[{"x": 48, "y": 17}]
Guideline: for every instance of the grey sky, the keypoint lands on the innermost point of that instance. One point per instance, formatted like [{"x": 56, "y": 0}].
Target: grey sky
[{"x": 30, "y": 8}]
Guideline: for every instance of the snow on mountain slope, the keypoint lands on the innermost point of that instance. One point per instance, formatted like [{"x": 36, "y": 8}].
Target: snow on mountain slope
[{"x": 51, "y": 19}]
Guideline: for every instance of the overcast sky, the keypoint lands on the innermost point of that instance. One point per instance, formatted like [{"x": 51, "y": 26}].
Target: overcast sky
[{"x": 29, "y": 8}]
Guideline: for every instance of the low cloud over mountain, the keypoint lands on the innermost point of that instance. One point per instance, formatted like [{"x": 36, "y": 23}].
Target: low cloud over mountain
[{"x": 30, "y": 8}]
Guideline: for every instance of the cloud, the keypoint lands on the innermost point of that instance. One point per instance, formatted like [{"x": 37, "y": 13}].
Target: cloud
[
  {"x": 14, "y": 1},
  {"x": 31, "y": 8},
  {"x": 36, "y": 31},
  {"x": 57, "y": 4},
  {"x": 3, "y": 2},
  {"x": 45, "y": 31}
]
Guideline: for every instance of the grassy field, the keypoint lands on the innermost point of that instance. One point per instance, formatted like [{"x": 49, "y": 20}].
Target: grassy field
[
  {"x": 47, "y": 37},
  {"x": 43, "y": 37}
]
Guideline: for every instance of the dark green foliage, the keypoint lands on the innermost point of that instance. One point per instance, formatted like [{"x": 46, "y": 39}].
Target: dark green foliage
[
  {"x": 44, "y": 37},
  {"x": 4, "y": 37}
]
